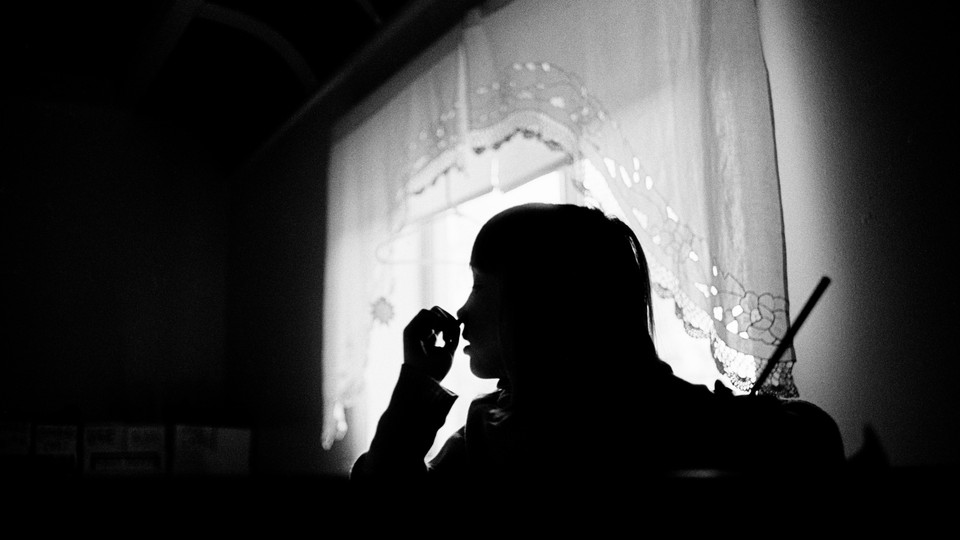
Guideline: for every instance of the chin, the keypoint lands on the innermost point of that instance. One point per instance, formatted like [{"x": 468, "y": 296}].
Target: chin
[{"x": 479, "y": 371}]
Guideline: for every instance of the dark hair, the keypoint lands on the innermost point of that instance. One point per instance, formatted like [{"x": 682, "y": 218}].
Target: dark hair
[{"x": 575, "y": 293}]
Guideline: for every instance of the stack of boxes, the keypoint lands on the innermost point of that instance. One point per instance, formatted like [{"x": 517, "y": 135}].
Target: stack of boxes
[{"x": 117, "y": 449}]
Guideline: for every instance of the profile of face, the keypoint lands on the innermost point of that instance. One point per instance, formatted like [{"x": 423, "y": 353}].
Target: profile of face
[
  {"x": 522, "y": 260},
  {"x": 480, "y": 315}
]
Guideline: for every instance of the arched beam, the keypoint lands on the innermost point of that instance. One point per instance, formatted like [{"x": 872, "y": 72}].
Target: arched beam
[{"x": 270, "y": 37}]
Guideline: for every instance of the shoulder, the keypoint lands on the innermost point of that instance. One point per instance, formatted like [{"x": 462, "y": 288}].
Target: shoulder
[{"x": 492, "y": 408}]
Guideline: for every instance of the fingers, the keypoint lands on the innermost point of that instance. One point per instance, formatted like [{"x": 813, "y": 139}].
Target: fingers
[
  {"x": 420, "y": 341},
  {"x": 428, "y": 323},
  {"x": 450, "y": 327},
  {"x": 448, "y": 321}
]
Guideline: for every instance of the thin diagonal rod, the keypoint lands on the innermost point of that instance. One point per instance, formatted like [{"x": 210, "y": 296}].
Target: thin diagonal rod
[{"x": 788, "y": 339}]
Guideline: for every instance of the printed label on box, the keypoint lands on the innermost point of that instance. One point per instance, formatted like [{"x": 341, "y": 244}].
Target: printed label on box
[
  {"x": 120, "y": 449},
  {"x": 14, "y": 438},
  {"x": 56, "y": 440}
]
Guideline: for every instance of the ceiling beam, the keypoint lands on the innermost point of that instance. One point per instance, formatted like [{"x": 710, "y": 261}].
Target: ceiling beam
[
  {"x": 268, "y": 36},
  {"x": 371, "y": 12},
  {"x": 155, "y": 47}
]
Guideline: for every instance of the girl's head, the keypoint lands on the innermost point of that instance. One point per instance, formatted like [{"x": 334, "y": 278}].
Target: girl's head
[{"x": 561, "y": 295}]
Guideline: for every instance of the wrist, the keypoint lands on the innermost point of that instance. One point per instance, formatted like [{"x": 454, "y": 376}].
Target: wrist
[
  {"x": 416, "y": 377},
  {"x": 419, "y": 370}
]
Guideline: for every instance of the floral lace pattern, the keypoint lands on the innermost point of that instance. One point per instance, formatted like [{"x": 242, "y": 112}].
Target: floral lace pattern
[
  {"x": 433, "y": 153},
  {"x": 537, "y": 99}
]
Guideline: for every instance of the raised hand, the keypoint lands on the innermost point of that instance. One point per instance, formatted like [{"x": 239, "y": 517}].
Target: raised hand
[{"x": 419, "y": 342}]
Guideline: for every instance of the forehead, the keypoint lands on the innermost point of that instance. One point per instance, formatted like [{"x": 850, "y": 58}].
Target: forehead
[
  {"x": 481, "y": 275},
  {"x": 505, "y": 235}
]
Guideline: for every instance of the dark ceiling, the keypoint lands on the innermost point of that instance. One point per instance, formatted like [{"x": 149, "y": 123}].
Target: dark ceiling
[{"x": 229, "y": 72}]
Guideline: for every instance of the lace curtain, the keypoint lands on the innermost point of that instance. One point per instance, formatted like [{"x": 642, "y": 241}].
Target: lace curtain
[{"x": 668, "y": 100}]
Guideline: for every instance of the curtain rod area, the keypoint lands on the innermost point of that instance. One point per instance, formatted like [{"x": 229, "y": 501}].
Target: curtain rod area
[{"x": 413, "y": 31}]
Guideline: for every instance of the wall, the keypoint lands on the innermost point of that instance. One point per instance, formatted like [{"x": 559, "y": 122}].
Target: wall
[
  {"x": 862, "y": 109},
  {"x": 275, "y": 301},
  {"x": 112, "y": 288}
]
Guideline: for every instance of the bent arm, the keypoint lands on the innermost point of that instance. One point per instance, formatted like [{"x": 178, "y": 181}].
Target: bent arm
[{"x": 418, "y": 409}]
